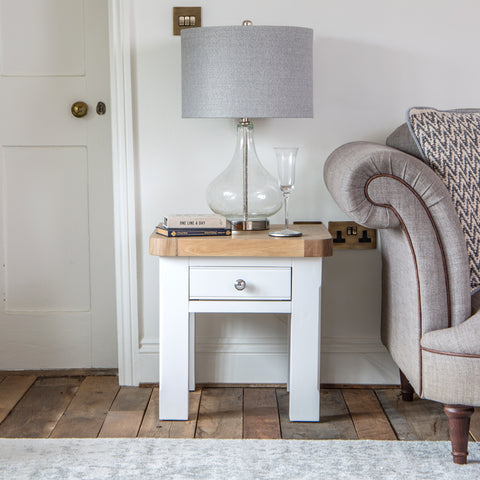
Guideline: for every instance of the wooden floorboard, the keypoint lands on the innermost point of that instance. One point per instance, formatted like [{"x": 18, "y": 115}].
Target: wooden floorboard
[
  {"x": 12, "y": 389},
  {"x": 126, "y": 414},
  {"x": 368, "y": 416},
  {"x": 416, "y": 420},
  {"x": 86, "y": 413},
  {"x": 260, "y": 414},
  {"x": 94, "y": 405},
  {"x": 39, "y": 410},
  {"x": 390, "y": 401},
  {"x": 335, "y": 421},
  {"x": 221, "y": 413},
  {"x": 153, "y": 427}
]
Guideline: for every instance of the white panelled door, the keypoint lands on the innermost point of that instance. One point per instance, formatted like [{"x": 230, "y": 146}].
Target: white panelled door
[{"x": 56, "y": 213}]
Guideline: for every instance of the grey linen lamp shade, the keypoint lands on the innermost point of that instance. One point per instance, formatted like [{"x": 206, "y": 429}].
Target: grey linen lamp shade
[{"x": 249, "y": 71}]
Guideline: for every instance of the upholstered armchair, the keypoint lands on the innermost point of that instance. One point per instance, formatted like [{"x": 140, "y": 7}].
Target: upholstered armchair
[{"x": 425, "y": 204}]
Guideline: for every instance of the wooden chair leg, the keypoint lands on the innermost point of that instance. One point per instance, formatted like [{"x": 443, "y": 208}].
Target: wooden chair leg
[
  {"x": 407, "y": 389},
  {"x": 458, "y": 425}
]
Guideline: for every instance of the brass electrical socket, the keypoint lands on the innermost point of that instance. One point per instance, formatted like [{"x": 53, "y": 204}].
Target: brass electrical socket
[
  {"x": 186, "y": 17},
  {"x": 351, "y": 235}
]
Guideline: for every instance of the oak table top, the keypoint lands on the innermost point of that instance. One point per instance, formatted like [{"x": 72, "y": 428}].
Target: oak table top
[{"x": 316, "y": 241}]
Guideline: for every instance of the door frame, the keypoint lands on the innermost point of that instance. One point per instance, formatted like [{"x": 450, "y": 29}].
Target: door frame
[{"x": 123, "y": 162}]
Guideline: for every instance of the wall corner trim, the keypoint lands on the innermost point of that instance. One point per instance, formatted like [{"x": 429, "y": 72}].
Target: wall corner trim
[{"x": 123, "y": 190}]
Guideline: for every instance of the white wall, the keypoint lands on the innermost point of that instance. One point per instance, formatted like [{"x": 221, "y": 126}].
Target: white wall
[{"x": 372, "y": 60}]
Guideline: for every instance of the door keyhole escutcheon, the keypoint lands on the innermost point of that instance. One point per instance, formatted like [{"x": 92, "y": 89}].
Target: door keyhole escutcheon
[
  {"x": 101, "y": 108},
  {"x": 79, "y": 109}
]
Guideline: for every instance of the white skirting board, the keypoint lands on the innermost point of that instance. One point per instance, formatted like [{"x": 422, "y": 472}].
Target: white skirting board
[{"x": 344, "y": 360}]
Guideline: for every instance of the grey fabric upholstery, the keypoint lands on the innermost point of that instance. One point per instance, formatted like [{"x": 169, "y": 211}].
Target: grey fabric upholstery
[
  {"x": 402, "y": 140},
  {"x": 464, "y": 339},
  {"x": 454, "y": 352},
  {"x": 476, "y": 302},
  {"x": 425, "y": 274},
  {"x": 451, "y": 379},
  {"x": 451, "y": 363}
]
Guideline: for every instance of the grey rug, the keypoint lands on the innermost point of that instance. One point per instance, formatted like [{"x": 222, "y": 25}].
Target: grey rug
[{"x": 146, "y": 459}]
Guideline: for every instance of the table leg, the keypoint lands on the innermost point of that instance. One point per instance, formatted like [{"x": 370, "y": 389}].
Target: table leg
[
  {"x": 305, "y": 340},
  {"x": 174, "y": 339},
  {"x": 191, "y": 352},
  {"x": 289, "y": 327}
]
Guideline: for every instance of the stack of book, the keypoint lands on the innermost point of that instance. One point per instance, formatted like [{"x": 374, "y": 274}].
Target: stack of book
[{"x": 194, "y": 226}]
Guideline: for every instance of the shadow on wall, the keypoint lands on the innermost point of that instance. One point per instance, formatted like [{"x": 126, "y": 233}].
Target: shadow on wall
[{"x": 351, "y": 294}]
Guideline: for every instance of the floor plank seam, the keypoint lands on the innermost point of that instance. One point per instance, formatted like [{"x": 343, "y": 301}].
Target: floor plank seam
[
  {"x": 18, "y": 401},
  {"x": 143, "y": 413},
  {"x": 66, "y": 408},
  {"x": 106, "y": 414},
  {"x": 198, "y": 413},
  {"x": 278, "y": 416},
  {"x": 385, "y": 414},
  {"x": 350, "y": 414},
  {"x": 243, "y": 413}
]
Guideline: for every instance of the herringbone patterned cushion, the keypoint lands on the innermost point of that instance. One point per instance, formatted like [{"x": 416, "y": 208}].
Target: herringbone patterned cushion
[{"x": 450, "y": 142}]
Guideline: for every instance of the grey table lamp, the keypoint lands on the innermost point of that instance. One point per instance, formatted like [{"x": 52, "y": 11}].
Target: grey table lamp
[{"x": 246, "y": 71}]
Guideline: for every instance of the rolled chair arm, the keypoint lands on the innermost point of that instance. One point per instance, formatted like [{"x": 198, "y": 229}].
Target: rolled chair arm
[
  {"x": 351, "y": 168},
  {"x": 383, "y": 188},
  {"x": 425, "y": 265}
]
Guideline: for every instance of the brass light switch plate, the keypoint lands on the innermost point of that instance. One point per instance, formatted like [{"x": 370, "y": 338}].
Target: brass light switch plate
[{"x": 186, "y": 17}]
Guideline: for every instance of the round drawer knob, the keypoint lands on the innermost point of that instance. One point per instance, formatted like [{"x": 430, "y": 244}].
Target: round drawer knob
[{"x": 240, "y": 284}]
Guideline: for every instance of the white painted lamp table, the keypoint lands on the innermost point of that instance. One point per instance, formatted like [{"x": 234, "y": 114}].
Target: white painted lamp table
[{"x": 246, "y": 272}]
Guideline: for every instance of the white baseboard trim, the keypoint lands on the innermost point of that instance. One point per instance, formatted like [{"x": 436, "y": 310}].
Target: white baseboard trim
[{"x": 344, "y": 360}]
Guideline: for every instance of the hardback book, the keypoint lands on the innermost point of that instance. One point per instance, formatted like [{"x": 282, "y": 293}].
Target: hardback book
[
  {"x": 192, "y": 232},
  {"x": 195, "y": 221}
]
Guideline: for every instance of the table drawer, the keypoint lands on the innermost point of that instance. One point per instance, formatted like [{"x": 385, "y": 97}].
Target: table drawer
[{"x": 247, "y": 283}]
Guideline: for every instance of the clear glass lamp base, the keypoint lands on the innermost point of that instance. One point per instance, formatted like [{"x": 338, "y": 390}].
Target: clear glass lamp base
[{"x": 285, "y": 233}]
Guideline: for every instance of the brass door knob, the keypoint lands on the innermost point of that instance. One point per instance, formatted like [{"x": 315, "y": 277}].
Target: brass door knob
[{"x": 79, "y": 109}]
